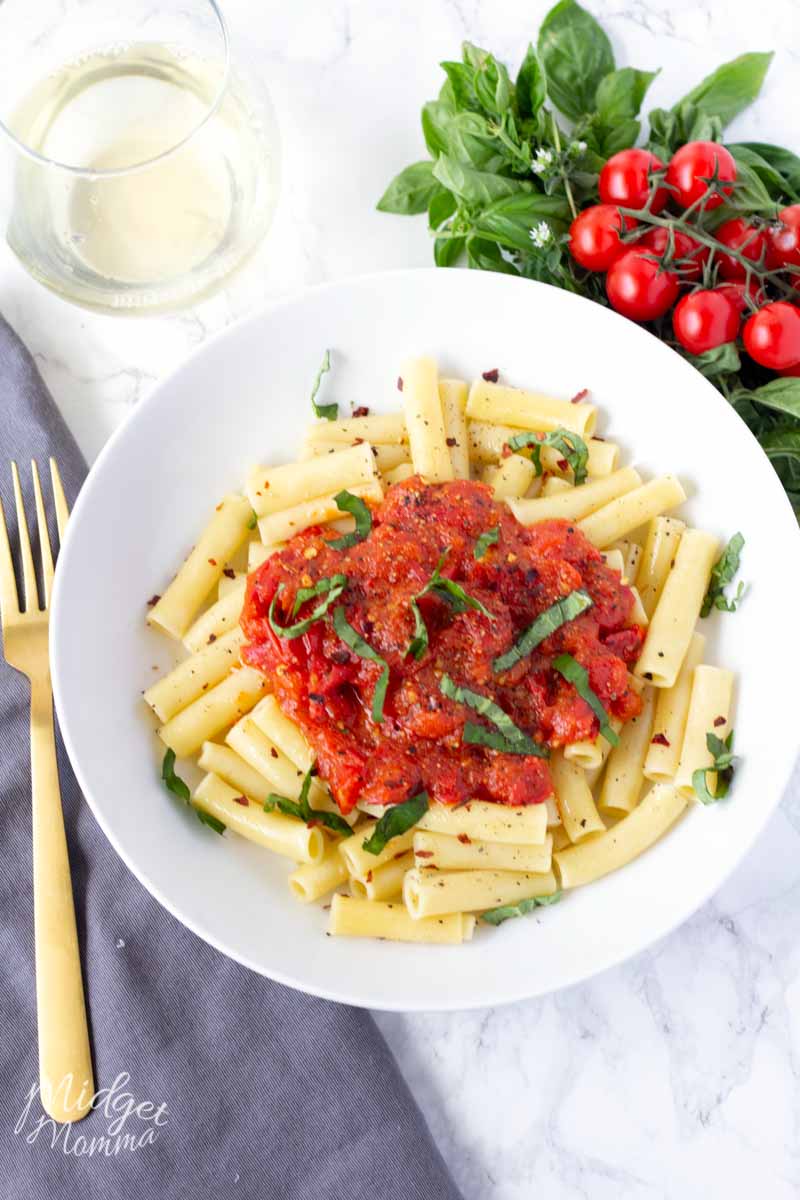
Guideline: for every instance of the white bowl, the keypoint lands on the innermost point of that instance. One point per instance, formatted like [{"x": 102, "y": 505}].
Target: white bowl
[{"x": 245, "y": 396}]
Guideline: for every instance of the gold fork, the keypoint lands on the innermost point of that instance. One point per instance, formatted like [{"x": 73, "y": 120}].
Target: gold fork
[{"x": 65, "y": 1063}]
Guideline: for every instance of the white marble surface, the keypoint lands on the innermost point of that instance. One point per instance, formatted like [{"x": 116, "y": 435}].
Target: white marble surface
[{"x": 677, "y": 1075}]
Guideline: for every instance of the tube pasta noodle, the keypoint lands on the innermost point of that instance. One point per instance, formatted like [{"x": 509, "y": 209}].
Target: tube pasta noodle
[
  {"x": 627, "y": 512},
  {"x": 282, "y": 835},
  {"x": 623, "y": 778},
  {"x": 273, "y": 489},
  {"x": 214, "y": 711},
  {"x": 386, "y": 882},
  {"x": 428, "y": 883},
  {"x": 194, "y": 675},
  {"x": 669, "y": 724},
  {"x": 448, "y": 853},
  {"x": 425, "y": 421},
  {"x": 709, "y": 712},
  {"x": 221, "y": 538},
  {"x": 528, "y": 410},
  {"x": 219, "y": 619},
  {"x": 649, "y": 821},
  {"x": 576, "y": 805},
  {"x": 574, "y": 503},
  {"x": 678, "y": 608},
  {"x": 453, "y": 395},
  {"x": 351, "y": 917},
  {"x": 435, "y": 893},
  {"x": 658, "y": 557},
  {"x": 280, "y": 526}
]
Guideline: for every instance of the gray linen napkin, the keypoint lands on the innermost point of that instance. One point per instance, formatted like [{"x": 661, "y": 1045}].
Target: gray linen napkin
[{"x": 254, "y": 1090}]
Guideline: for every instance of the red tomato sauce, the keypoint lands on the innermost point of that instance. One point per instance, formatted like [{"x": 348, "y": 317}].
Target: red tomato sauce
[{"x": 328, "y": 690}]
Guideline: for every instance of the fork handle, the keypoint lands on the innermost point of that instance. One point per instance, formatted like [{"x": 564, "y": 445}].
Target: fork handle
[{"x": 65, "y": 1062}]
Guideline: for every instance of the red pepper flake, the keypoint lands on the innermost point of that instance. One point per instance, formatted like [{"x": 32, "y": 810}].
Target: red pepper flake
[
  {"x": 465, "y": 839},
  {"x": 358, "y": 441},
  {"x": 218, "y": 508},
  {"x": 241, "y": 800},
  {"x": 153, "y": 601},
  {"x": 423, "y": 854},
  {"x": 212, "y": 562},
  {"x": 506, "y": 452},
  {"x": 581, "y": 395},
  {"x": 273, "y": 752},
  {"x": 718, "y": 721},
  {"x": 361, "y": 411},
  {"x": 229, "y": 573},
  {"x": 369, "y": 876},
  {"x": 660, "y": 739},
  {"x": 492, "y": 376},
  {"x": 399, "y": 383},
  {"x": 451, "y": 441},
  {"x": 212, "y": 637},
  {"x": 562, "y": 464}
]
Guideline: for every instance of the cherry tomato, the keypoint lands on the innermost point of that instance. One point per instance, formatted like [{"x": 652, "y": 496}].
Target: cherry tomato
[
  {"x": 738, "y": 293},
  {"x": 704, "y": 320},
  {"x": 791, "y": 372},
  {"x": 772, "y": 336},
  {"x": 684, "y": 248},
  {"x": 692, "y": 166},
  {"x": 747, "y": 239},
  {"x": 638, "y": 288},
  {"x": 624, "y": 180},
  {"x": 594, "y": 236},
  {"x": 784, "y": 239}
]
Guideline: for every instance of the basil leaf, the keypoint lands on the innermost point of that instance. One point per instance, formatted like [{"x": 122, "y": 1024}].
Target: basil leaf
[
  {"x": 328, "y": 411},
  {"x": 461, "y": 77},
  {"x": 722, "y": 753},
  {"x": 620, "y": 94},
  {"x": 486, "y": 707},
  {"x": 496, "y": 916},
  {"x": 475, "y": 188},
  {"x": 719, "y": 361},
  {"x": 441, "y": 208},
  {"x": 779, "y": 159},
  {"x": 566, "y": 609},
  {"x": 447, "y": 590},
  {"x": 576, "y": 54},
  {"x": 728, "y": 90},
  {"x": 447, "y": 251},
  {"x": 347, "y": 502},
  {"x": 510, "y": 220},
  {"x": 173, "y": 783},
  {"x": 781, "y": 443},
  {"x": 479, "y": 735},
  {"x": 492, "y": 85},
  {"x": 531, "y": 85},
  {"x": 578, "y": 676},
  {"x": 251, "y": 524},
  {"x": 722, "y": 573},
  {"x": 301, "y": 808},
  {"x": 487, "y": 539},
  {"x": 487, "y": 256},
  {"x": 331, "y": 588},
  {"x": 777, "y": 185},
  {"x": 569, "y": 445},
  {"x": 411, "y": 191},
  {"x": 781, "y": 395},
  {"x": 395, "y": 821},
  {"x": 362, "y": 648}
]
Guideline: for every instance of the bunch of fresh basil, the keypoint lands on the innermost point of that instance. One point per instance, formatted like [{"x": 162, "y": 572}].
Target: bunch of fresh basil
[{"x": 507, "y": 174}]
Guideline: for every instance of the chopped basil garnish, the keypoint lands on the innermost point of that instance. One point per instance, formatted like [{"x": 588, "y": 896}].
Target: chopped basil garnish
[
  {"x": 575, "y": 674},
  {"x": 347, "y": 502},
  {"x": 173, "y": 783},
  {"x": 251, "y": 524},
  {"x": 722, "y": 573},
  {"x": 363, "y": 649},
  {"x": 334, "y": 586},
  {"x": 448, "y": 590},
  {"x": 496, "y": 916},
  {"x": 570, "y": 446},
  {"x": 302, "y": 809},
  {"x": 396, "y": 820},
  {"x": 722, "y": 764},
  {"x": 509, "y": 740},
  {"x": 487, "y": 539},
  {"x": 328, "y": 411},
  {"x": 566, "y": 609}
]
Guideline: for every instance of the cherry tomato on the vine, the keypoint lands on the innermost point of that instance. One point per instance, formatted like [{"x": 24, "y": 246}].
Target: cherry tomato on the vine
[
  {"x": 747, "y": 239},
  {"x": 625, "y": 180},
  {"x": 594, "y": 236},
  {"x": 687, "y": 254},
  {"x": 638, "y": 288},
  {"x": 791, "y": 372},
  {"x": 772, "y": 336},
  {"x": 692, "y": 166},
  {"x": 784, "y": 239},
  {"x": 741, "y": 294},
  {"x": 704, "y": 320}
]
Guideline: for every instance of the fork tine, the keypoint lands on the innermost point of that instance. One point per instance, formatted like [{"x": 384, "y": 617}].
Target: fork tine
[
  {"x": 44, "y": 537},
  {"x": 62, "y": 508},
  {"x": 28, "y": 572},
  {"x": 9, "y": 604}
]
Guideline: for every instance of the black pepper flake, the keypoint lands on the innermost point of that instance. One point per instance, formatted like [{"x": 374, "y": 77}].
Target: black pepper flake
[
  {"x": 229, "y": 572},
  {"x": 316, "y": 697},
  {"x": 718, "y": 721},
  {"x": 451, "y": 441},
  {"x": 153, "y": 601},
  {"x": 212, "y": 637}
]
